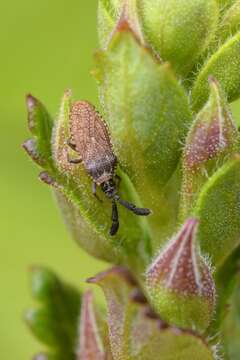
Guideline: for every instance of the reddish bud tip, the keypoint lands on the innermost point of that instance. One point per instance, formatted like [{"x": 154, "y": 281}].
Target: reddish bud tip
[
  {"x": 128, "y": 22},
  {"x": 180, "y": 283},
  {"x": 30, "y": 147},
  {"x": 31, "y": 103},
  {"x": 213, "y": 132},
  {"x": 47, "y": 179},
  {"x": 40, "y": 356},
  {"x": 90, "y": 345}
]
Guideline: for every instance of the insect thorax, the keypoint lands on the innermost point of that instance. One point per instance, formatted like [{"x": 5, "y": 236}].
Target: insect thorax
[{"x": 101, "y": 170}]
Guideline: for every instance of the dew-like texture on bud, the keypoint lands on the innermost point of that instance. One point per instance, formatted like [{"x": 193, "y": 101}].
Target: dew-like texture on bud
[
  {"x": 212, "y": 139},
  {"x": 180, "y": 284},
  {"x": 230, "y": 23},
  {"x": 90, "y": 343},
  {"x": 109, "y": 14},
  {"x": 224, "y": 66},
  {"x": 218, "y": 208},
  {"x": 148, "y": 114},
  {"x": 179, "y": 30}
]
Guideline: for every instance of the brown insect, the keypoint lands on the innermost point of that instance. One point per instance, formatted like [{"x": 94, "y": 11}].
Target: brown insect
[{"x": 90, "y": 139}]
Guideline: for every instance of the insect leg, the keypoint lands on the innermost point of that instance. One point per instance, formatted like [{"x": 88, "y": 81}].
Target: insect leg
[
  {"x": 115, "y": 222},
  {"x": 71, "y": 144},
  {"x": 94, "y": 191},
  {"x": 132, "y": 207},
  {"x": 74, "y": 161}
]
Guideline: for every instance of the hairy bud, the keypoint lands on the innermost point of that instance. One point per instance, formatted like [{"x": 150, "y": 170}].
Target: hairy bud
[{"x": 180, "y": 284}]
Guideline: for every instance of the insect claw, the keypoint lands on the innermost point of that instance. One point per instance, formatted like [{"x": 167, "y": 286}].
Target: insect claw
[
  {"x": 73, "y": 161},
  {"x": 115, "y": 222}
]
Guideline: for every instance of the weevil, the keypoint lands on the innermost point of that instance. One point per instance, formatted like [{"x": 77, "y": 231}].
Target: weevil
[{"x": 89, "y": 138}]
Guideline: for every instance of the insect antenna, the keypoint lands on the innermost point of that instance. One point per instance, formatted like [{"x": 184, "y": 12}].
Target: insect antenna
[
  {"x": 115, "y": 222},
  {"x": 132, "y": 207}
]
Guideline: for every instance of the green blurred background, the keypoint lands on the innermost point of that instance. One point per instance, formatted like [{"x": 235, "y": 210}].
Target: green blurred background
[{"x": 46, "y": 47}]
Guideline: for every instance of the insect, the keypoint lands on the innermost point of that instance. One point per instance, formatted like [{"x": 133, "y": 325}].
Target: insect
[{"x": 90, "y": 139}]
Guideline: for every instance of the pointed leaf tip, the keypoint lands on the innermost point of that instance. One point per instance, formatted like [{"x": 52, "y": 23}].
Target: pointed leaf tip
[
  {"x": 30, "y": 146},
  {"x": 117, "y": 272},
  {"x": 47, "y": 179},
  {"x": 40, "y": 125},
  {"x": 115, "y": 17},
  {"x": 128, "y": 22}
]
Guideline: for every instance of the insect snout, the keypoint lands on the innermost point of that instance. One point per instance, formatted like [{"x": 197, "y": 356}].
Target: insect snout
[{"x": 108, "y": 187}]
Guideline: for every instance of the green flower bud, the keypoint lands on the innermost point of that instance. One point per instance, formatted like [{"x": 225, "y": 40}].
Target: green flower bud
[
  {"x": 231, "y": 21},
  {"x": 179, "y": 31},
  {"x": 211, "y": 140},
  {"x": 179, "y": 282}
]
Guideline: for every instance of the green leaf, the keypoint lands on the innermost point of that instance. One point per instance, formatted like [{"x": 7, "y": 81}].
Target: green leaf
[
  {"x": 40, "y": 124},
  {"x": 230, "y": 23},
  {"x": 83, "y": 233},
  {"x": 225, "y": 4},
  {"x": 225, "y": 280},
  {"x": 179, "y": 30},
  {"x": 224, "y": 66},
  {"x": 135, "y": 332},
  {"x": 55, "y": 321},
  {"x": 231, "y": 326},
  {"x": 172, "y": 344},
  {"x": 147, "y": 112},
  {"x": 218, "y": 209}
]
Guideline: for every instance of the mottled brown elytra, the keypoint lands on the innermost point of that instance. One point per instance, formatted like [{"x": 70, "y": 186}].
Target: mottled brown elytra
[{"x": 90, "y": 139}]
